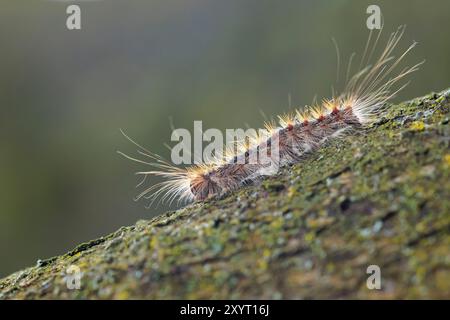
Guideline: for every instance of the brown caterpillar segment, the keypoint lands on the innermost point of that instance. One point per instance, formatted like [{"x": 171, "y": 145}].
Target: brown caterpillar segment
[
  {"x": 361, "y": 103},
  {"x": 295, "y": 140}
]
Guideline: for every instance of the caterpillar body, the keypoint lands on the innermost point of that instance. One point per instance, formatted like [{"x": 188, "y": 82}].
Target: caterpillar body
[{"x": 297, "y": 134}]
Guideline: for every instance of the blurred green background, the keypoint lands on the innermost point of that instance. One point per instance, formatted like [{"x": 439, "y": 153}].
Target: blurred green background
[{"x": 65, "y": 94}]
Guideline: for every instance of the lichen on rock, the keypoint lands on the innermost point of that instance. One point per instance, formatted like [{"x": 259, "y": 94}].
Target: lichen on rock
[{"x": 380, "y": 197}]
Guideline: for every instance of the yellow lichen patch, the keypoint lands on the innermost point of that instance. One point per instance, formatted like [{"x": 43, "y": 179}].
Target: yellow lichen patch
[
  {"x": 277, "y": 223},
  {"x": 266, "y": 253},
  {"x": 417, "y": 126},
  {"x": 122, "y": 295},
  {"x": 291, "y": 192},
  {"x": 447, "y": 160},
  {"x": 309, "y": 237},
  {"x": 263, "y": 262}
]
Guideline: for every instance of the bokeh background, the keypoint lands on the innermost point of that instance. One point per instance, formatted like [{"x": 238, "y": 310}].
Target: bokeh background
[{"x": 65, "y": 94}]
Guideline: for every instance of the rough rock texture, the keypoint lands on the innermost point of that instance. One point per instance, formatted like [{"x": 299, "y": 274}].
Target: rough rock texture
[{"x": 379, "y": 198}]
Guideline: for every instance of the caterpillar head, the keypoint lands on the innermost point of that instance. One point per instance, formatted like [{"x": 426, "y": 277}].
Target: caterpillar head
[{"x": 203, "y": 187}]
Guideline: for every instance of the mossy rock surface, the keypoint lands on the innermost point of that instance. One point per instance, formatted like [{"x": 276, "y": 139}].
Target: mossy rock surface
[{"x": 381, "y": 197}]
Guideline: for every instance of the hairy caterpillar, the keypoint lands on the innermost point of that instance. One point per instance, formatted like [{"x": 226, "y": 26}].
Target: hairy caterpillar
[{"x": 297, "y": 134}]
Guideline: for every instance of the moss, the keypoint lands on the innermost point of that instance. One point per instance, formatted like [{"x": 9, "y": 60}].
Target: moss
[{"x": 380, "y": 197}]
